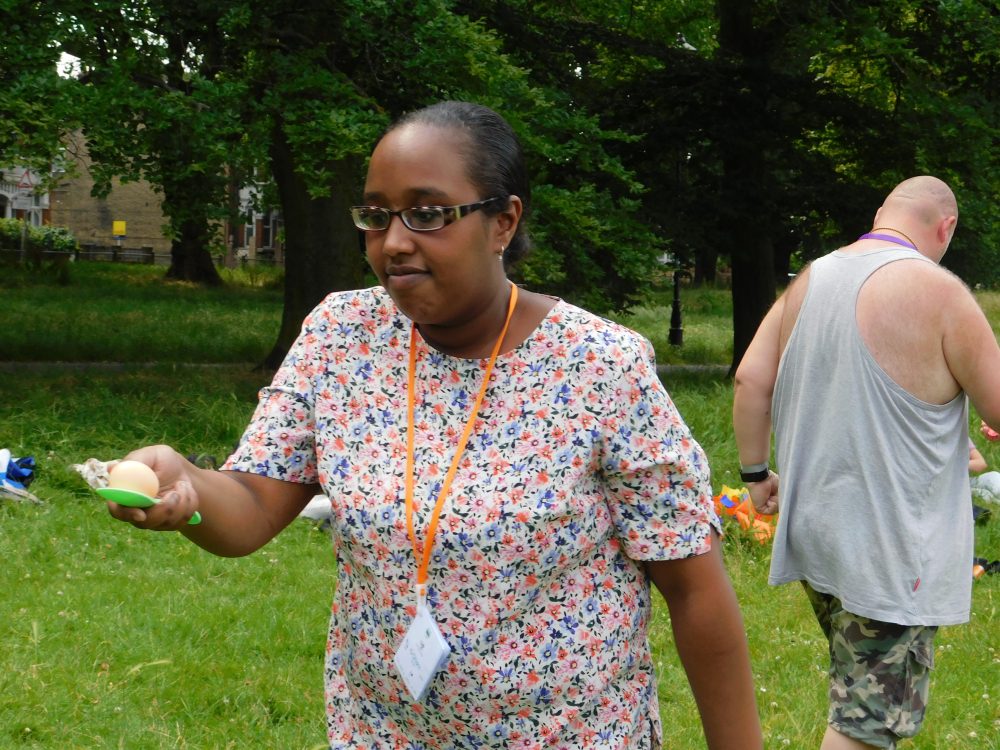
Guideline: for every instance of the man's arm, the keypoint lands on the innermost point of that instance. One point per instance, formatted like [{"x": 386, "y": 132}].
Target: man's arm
[
  {"x": 972, "y": 354},
  {"x": 712, "y": 644},
  {"x": 754, "y": 386}
]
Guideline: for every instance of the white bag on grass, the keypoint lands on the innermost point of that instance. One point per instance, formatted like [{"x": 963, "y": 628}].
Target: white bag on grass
[{"x": 986, "y": 486}]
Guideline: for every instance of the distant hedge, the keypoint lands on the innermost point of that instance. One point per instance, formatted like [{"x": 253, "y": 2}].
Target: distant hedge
[{"x": 60, "y": 237}]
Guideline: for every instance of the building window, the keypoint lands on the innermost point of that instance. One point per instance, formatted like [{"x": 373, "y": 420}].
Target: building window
[{"x": 266, "y": 238}]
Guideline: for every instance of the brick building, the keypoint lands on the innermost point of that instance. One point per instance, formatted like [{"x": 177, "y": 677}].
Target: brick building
[
  {"x": 71, "y": 205},
  {"x": 90, "y": 219}
]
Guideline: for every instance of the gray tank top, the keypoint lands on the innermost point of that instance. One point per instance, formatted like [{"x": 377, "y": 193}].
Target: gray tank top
[{"x": 874, "y": 500}]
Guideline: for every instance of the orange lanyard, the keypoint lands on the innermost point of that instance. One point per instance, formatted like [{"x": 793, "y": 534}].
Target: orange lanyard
[{"x": 446, "y": 486}]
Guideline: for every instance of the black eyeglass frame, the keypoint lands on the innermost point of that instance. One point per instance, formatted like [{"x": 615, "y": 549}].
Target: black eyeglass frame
[{"x": 450, "y": 214}]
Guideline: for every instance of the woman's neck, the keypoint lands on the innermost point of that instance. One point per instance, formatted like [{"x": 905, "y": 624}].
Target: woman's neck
[{"x": 476, "y": 335}]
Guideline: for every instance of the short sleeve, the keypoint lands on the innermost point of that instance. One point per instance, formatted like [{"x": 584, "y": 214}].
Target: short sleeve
[
  {"x": 656, "y": 474},
  {"x": 280, "y": 441},
  {"x": 972, "y": 446}
]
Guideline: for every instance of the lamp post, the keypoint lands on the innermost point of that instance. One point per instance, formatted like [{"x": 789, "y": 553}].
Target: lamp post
[{"x": 676, "y": 323}]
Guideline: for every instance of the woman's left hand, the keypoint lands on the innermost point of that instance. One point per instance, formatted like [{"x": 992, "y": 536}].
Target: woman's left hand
[{"x": 712, "y": 643}]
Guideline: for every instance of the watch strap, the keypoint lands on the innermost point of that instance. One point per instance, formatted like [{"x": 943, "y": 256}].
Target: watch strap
[
  {"x": 755, "y": 473},
  {"x": 755, "y": 476}
]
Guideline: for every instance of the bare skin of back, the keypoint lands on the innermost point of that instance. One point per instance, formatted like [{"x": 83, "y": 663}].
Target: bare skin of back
[{"x": 903, "y": 313}]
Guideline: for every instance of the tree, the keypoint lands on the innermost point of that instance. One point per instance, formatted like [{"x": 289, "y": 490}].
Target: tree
[
  {"x": 324, "y": 83},
  {"x": 768, "y": 128},
  {"x": 33, "y": 117},
  {"x": 932, "y": 70},
  {"x": 153, "y": 108},
  {"x": 199, "y": 98}
]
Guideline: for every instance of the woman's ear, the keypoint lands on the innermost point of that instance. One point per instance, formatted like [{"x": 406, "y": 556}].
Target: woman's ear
[{"x": 508, "y": 219}]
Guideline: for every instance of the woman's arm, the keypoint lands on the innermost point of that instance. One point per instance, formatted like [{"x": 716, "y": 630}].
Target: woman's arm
[
  {"x": 711, "y": 641},
  {"x": 241, "y": 512}
]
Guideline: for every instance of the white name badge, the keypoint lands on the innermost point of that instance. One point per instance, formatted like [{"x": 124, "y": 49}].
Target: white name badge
[{"x": 423, "y": 652}]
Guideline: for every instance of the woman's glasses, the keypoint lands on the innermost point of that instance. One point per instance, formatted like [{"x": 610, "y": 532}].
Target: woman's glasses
[{"x": 417, "y": 218}]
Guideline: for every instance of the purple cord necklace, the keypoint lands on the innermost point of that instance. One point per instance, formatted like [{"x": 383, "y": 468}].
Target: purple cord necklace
[{"x": 888, "y": 238}]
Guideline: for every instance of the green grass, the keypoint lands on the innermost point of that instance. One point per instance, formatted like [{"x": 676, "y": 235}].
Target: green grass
[
  {"x": 112, "y": 312},
  {"x": 707, "y": 318},
  {"x": 88, "y": 601},
  {"x": 120, "y": 313}
]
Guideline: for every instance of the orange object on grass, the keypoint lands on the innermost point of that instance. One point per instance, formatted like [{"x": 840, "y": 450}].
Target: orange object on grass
[{"x": 737, "y": 504}]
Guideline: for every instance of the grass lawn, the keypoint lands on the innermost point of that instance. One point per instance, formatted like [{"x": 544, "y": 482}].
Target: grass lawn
[
  {"x": 116, "y": 638},
  {"x": 120, "y": 313},
  {"x": 112, "y": 312},
  {"x": 707, "y": 318}
]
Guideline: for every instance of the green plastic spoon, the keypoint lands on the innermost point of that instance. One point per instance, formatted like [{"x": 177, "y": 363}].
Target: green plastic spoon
[{"x": 135, "y": 500}]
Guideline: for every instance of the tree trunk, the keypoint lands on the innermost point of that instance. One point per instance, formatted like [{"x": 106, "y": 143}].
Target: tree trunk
[
  {"x": 745, "y": 169},
  {"x": 705, "y": 266},
  {"x": 753, "y": 291},
  {"x": 189, "y": 256},
  {"x": 783, "y": 248},
  {"x": 321, "y": 241}
]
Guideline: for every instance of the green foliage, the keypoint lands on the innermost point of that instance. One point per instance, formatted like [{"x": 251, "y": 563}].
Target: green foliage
[
  {"x": 646, "y": 126},
  {"x": 254, "y": 275},
  {"x": 153, "y": 107},
  {"x": 35, "y": 106},
  {"x": 933, "y": 69},
  {"x": 185, "y": 96},
  {"x": 796, "y": 126},
  {"x": 45, "y": 237},
  {"x": 590, "y": 246}
]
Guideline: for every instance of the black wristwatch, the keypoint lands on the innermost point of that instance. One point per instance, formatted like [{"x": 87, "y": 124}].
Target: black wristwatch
[{"x": 755, "y": 473}]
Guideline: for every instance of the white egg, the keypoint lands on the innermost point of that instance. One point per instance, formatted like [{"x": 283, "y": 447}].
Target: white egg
[{"x": 135, "y": 476}]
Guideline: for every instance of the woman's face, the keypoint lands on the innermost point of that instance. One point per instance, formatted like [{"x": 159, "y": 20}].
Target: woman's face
[{"x": 440, "y": 277}]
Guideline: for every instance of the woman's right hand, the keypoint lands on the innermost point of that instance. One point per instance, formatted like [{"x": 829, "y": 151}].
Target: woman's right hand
[{"x": 179, "y": 501}]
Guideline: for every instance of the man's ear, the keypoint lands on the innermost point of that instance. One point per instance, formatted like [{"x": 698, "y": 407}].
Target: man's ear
[{"x": 946, "y": 229}]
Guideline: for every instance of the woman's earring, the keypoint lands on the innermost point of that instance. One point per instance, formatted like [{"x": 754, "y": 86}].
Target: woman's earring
[{"x": 500, "y": 254}]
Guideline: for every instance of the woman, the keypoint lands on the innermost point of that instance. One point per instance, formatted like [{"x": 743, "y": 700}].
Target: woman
[{"x": 531, "y": 546}]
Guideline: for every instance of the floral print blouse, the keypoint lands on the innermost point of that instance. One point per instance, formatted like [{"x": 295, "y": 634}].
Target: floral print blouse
[{"x": 578, "y": 468}]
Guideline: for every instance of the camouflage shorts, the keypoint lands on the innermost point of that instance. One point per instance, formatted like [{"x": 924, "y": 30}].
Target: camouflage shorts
[{"x": 879, "y": 673}]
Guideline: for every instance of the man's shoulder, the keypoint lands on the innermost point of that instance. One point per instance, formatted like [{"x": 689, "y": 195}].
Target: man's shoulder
[{"x": 921, "y": 281}]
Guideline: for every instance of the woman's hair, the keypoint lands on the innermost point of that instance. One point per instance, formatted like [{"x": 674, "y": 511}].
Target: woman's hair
[{"x": 494, "y": 160}]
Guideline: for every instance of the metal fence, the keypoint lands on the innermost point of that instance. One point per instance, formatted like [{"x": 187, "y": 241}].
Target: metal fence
[
  {"x": 144, "y": 255},
  {"x": 115, "y": 254}
]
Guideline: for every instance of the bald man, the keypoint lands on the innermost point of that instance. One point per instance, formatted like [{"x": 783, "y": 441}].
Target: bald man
[{"x": 865, "y": 366}]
